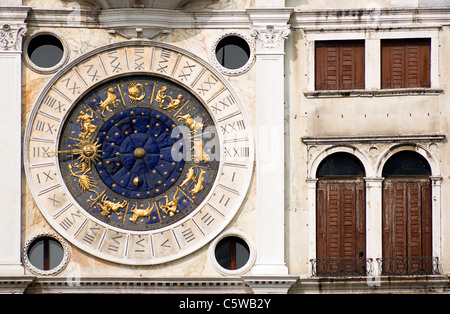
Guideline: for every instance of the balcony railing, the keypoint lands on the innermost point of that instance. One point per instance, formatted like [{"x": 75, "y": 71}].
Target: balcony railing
[
  {"x": 347, "y": 267},
  {"x": 341, "y": 267},
  {"x": 408, "y": 265}
]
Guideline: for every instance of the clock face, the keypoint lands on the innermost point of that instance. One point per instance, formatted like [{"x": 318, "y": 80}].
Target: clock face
[{"x": 138, "y": 153}]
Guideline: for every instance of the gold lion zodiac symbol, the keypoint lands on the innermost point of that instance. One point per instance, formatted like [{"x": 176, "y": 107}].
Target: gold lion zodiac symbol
[
  {"x": 134, "y": 91},
  {"x": 111, "y": 100}
]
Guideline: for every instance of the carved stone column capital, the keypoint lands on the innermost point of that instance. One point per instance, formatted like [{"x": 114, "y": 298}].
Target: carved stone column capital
[
  {"x": 11, "y": 37},
  {"x": 270, "y": 37}
]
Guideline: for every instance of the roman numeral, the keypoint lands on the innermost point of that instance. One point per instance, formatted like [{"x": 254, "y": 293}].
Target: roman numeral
[
  {"x": 37, "y": 150},
  {"x": 67, "y": 222},
  {"x": 93, "y": 75},
  {"x": 90, "y": 237},
  {"x": 164, "y": 63},
  {"x": 208, "y": 219},
  {"x": 233, "y": 127},
  {"x": 44, "y": 176},
  {"x": 207, "y": 85},
  {"x": 51, "y": 102},
  {"x": 237, "y": 152},
  {"x": 45, "y": 127},
  {"x": 73, "y": 87},
  {"x": 114, "y": 61},
  {"x": 188, "y": 235},
  {"x": 223, "y": 104},
  {"x": 139, "y": 59},
  {"x": 186, "y": 71}
]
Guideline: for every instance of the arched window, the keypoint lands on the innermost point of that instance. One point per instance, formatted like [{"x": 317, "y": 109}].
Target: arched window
[
  {"x": 407, "y": 215},
  {"x": 340, "y": 165},
  {"x": 340, "y": 220}
]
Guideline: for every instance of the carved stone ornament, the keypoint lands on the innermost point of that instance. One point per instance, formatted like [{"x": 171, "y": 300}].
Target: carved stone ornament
[
  {"x": 11, "y": 39},
  {"x": 270, "y": 36}
]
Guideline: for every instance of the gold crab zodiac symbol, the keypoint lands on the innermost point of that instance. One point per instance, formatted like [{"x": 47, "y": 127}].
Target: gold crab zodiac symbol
[{"x": 134, "y": 91}]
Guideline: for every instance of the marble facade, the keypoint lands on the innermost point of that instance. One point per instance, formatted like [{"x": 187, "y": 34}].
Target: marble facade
[{"x": 294, "y": 128}]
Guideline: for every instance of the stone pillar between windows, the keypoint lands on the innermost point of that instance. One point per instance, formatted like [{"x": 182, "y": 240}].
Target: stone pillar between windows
[
  {"x": 270, "y": 28},
  {"x": 374, "y": 209},
  {"x": 12, "y": 30}
]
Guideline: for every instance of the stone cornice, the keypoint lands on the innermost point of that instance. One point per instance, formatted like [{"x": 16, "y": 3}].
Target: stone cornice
[
  {"x": 12, "y": 28},
  {"x": 330, "y": 20}
]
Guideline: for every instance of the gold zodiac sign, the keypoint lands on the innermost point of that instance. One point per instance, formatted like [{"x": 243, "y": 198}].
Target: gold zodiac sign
[
  {"x": 107, "y": 206},
  {"x": 199, "y": 185},
  {"x": 111, "y": 100},
  {"x": 86, "y": 123},
  {"x": 174, "y": 103},
  {"x": 190, "y": 176},
  {"x": 199, "y": 152},
  {"x": 170, "y": 208},
  {"x": 135, "y": 93},
  {"x": 85, "y": 182},
  {"x": 191, "y": 123},
  {"x": 140, "y": 212},
  {"x": 160, "y": 96}
]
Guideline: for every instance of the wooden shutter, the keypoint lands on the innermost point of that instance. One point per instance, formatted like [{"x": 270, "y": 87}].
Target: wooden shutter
[
  {"x": 407, "y": 219},
  {"x": 341, "y": 219},
  {"x": 405, "y": 63},
  {"x": 339, "y": 65}
]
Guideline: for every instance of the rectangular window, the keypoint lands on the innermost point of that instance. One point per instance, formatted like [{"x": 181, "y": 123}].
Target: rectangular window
[
  {"x": 405, "y": 63},
  {"x": 339, "y": 65}
]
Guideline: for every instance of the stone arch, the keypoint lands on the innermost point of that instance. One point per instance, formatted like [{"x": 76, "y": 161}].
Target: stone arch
[
  {"x": 356, "y": 152},
  {"x": 396, "y": 148}
]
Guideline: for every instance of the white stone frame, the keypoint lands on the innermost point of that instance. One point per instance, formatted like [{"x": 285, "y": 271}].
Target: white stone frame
[
  {"x": 373, "y": 182},
  {"x": 372, "y": 40},
  {"x": 51, "y": 272},
  {"x": 233, "y": 72},
  {"x": 227, "y": 272},
  {"x": 65, "y": 57}
]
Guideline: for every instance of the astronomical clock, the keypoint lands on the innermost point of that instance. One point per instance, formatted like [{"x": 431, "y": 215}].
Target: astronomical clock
[{"x": 138, "y": 153}]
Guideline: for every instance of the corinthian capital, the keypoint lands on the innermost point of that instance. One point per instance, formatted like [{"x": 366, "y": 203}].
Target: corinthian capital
[
  {"x": 11, "y": 37},
  {"x": 270, "y": 37}
]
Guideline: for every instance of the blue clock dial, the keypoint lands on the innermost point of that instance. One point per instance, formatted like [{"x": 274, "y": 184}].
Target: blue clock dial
[{"x": 139, "y": 152}]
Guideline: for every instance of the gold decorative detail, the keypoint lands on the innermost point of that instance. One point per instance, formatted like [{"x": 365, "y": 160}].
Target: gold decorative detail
[
  {"x": 140, "y": 212},
  {"x": 86, "y": 149},
  {"x": 86, "y": 123},
  {"x": 134, "y": 92},
  {"x": 107, "y": 206},
  {"x": 111, "y": 100},
  {"x": 170, "y": 208},
  {"x": 160, "y": 96},
  {"x": 199, "y": 185},
  {"x": 174, "y": 103},
  {"x": 199, "y": 152},
  {"x": 191, "y": 123},
  {"x": 189, "y": 176},
  {"x": 85, "y": 182}
]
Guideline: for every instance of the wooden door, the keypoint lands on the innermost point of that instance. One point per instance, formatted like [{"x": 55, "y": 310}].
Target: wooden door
[
  {"x": 341, "y": 219},
  {"x": 407, "y": 229}
]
